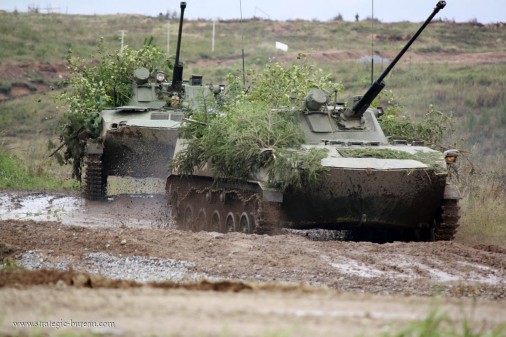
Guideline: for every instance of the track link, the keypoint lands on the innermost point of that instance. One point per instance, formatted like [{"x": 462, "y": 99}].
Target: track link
[
  {"x": 447, "y": 224},
  {"x": 95, "y": 180}
]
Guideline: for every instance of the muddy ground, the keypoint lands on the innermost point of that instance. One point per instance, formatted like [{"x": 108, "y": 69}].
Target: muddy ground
[{"x": 123, "y": 261}]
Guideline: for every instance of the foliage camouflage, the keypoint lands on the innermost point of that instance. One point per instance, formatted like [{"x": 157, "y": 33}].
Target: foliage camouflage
[
  {"x": 432, "y": 128},
  {"x": 253, "y": 131},
  {"x": 431, "y": 159},
  {"x": 259, "y": 124},
  {"x": 104, "y": 80}
]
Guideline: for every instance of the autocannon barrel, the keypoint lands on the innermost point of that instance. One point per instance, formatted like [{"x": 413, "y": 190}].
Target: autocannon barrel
[
  {"x": 361, "y": 106},
  {"x": 177, "y": 74}
]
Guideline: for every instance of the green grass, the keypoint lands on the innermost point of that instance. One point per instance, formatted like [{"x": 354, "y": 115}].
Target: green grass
[
  {"x": 439, "y": 324},
  {"x": 9, "y": 265},
  {"x": 21, "y": 39},
  {"x": 14, "y": 174},
  {"x": 483, "y": 212}
]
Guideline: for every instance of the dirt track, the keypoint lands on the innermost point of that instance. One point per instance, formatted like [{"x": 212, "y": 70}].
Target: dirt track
[{"x": 285, "y": 283}]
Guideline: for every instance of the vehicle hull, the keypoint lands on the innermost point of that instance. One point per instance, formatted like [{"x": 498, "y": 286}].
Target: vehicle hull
[
  {"x": 139, "y": 152},
  {"x": 354, "y": 198}
]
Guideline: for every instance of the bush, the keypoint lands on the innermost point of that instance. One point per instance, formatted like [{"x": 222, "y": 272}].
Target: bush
[{"x": 432, "y": 128}]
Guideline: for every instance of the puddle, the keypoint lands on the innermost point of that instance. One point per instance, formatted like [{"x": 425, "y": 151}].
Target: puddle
[
  {"x": 132, "y": 210},
  {"x": 38, "y": 206}
]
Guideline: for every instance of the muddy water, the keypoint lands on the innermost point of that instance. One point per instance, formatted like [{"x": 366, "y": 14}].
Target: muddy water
[{"x": 133, "y": 210}]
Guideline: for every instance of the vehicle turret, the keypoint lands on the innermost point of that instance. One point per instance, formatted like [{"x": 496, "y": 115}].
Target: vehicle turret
[{"x": 138, "y": 139}]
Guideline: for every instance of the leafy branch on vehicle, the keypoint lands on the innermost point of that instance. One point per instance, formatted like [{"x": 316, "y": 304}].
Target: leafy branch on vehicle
[
  {"x": 258, "y": 124},
  {"x": 101, "y": 81}
]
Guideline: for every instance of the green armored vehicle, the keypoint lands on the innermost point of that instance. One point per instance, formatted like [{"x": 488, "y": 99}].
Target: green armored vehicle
[
  {"x": 401, "y": 197},
  {"x": 138, "y": 140}
]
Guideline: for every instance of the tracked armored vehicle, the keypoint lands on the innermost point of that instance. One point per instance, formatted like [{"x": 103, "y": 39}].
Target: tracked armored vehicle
[
  {"x": 138, "y": 140},
  {"x": 365, "y": 190}
]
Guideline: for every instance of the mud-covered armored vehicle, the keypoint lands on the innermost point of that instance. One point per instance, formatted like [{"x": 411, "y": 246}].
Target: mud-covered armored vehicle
[
  {"x": 138, "y": 140},
  {"x": 371, "y": 188}
]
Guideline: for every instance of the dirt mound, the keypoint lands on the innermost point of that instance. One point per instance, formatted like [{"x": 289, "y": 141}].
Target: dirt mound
[
  {"x": 26, "y": 278},
  {"x": 29, "y": 78},
  {"x": 6, "y": 251},
  {"x": 491, "y": 248},
  {"x": 336, "y": 55},
  {"x": 72, "y": 278}
]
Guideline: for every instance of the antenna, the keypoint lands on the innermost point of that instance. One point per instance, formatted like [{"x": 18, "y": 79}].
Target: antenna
[
  {"x": 372, "y": 42},
  {"x": 260, "y": 10},
  {"x": 242, "y": 42}
]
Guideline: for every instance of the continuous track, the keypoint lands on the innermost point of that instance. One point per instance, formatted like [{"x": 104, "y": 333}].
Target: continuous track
[
  {"x": 201, "y": 204},
  {"x": 95, "y": 179},
  {"x": 447, "y": 224}
]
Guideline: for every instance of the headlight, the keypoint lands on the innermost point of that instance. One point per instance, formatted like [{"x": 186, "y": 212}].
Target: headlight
[
  {"x": 451, "y": 156},
  {"x": 160, "y": 77}
]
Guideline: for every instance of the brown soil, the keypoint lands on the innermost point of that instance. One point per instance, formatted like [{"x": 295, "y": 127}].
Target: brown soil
[
  {"x": 447, "y": 268},
  {"x": 30, "y": 77},
  {"x": 249, "y": 285}
]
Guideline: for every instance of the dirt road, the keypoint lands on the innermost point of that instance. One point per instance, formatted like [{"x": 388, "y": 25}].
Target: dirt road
[{"x": 284, "y": 285}]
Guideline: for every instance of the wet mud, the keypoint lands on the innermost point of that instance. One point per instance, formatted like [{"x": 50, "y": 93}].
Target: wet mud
[{"x": 123, "y": 260}]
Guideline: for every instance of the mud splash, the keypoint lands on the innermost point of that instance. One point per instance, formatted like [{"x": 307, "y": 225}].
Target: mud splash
[{"x": 133, "y": 210}]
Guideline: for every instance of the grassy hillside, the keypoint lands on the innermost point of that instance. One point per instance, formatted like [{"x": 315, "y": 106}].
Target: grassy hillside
[{"x": 47, "y": 37}]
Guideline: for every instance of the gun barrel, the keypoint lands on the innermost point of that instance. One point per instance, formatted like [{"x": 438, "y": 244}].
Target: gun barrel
[
  {"x": 440, "y": 5},
  {"x": 177, "y": 74},
  {"x": 375, "y": 89}
]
